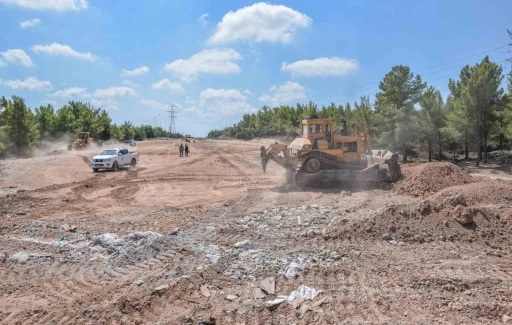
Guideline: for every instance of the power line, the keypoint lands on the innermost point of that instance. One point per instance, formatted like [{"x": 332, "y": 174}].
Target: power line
[
  {"x": 509, "y": 48},
  {"x": 172, "y": 117}
]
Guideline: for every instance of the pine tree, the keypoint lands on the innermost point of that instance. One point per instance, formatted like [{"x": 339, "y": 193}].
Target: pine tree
[
  {"x": 22, "y": 125},
  {"x": 400, "y": 91}
]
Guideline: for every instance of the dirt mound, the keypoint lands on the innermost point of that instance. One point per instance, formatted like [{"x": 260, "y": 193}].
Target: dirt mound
[
  {"x": 451, "y": 219},
  {"x": 429, "y": 178},
  {"x": 486, "y": 191}
]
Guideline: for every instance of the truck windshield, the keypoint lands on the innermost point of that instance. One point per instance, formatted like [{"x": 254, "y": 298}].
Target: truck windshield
[{"x": 109, "y": 153}]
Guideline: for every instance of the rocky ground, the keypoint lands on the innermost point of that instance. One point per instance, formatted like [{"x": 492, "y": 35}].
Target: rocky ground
[{"x": 210, "y": 239}]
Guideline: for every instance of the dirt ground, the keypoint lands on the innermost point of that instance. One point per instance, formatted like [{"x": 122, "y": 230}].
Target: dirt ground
[{"x": 190, "y": 241}]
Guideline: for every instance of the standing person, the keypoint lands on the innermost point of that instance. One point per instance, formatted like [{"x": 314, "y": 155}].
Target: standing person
[
  {"x": 181, "y": 150},
  {"x": 186, "y": 150}
]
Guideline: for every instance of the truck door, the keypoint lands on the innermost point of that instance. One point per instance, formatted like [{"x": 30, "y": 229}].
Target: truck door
[
  {"x": 123, "y": 153},
  {"x": 328, "y": 133}
]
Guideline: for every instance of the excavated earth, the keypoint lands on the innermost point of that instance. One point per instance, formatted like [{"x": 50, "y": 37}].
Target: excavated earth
[{"x": 211, "y": 239}]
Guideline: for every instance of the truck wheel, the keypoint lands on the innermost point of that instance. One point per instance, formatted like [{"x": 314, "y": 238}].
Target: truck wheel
[
  {"x": 115, "y": 166},
  {"x": 95, "y": 170},
  {"x": 133, "y": 163}
]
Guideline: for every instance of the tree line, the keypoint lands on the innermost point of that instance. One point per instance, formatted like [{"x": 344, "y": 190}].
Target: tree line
[
  {"x": 408, "y": 115},
  {"x": 22, "y": 129}
]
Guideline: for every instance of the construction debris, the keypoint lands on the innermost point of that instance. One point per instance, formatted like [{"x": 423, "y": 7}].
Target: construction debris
[
  {"x": 205, "y": 291},
  {"x": 301, "y": 294},
  {"x": 294, "y": 268},
  {"x": 268, "y": 285},
  {"x": 258, "y": 293},
  {"x": 231, "y": 297},
  {"x": 246, "y": 244}
]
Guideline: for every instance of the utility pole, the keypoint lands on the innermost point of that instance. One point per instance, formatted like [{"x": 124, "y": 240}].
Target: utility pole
[{"x": 172, "y": 116}]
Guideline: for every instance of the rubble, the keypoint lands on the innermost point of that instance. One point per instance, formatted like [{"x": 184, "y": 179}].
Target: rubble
[
  {"x": 20, "y": 257},
  {"x": 268, "y": 285},
  {"x": 303, "y": 293},
  {"x": 69, "y": 228},
  {"x": 246, "y": 245},
  {"x": 462, "y": 215},
  {"x": 294, "y": 268},
  {"x": 205, "y": 291},
  {"x": 258, "y": 293},
  {"x": 161, "y": 289},
  {"x": 231, "y": 297}
]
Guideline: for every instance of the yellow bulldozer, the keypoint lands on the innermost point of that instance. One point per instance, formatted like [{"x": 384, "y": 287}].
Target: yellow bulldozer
[
  {"x": 83, "y": 141},
  {"x": 320, "y": 155}
]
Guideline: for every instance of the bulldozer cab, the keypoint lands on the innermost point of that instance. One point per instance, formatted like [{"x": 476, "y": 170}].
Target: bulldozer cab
[
  {"x": 83, "y": 135},
  {"x": 319, "y": 134}
]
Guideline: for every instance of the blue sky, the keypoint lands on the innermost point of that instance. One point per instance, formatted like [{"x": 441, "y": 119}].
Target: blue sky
[{"x": 216, "y": 60}]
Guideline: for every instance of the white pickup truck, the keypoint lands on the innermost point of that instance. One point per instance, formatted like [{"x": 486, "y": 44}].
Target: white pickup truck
[{"x": 113, "y": 158}]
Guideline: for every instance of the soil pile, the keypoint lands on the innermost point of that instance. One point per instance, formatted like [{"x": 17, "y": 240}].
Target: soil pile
[
  {"x": 429, "y": 178},
  {"x": 487, "y": 191}
]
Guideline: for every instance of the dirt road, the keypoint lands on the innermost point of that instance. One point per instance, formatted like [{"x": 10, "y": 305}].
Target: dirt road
[{"x": 180, "y": 240}]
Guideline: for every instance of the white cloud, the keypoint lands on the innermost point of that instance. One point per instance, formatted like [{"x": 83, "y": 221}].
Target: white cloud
[
  {"x": 2, "y": 63},
  {"x": 321, "y": 67},
  {"x": 130, "y": 84},
  {"x": 134, "y": 72},
  {"x": 51, "y": 102},
  {"x": 220, "y": 101},
  {"x": 17, "y": 56},
  {"x": 247, "y": 92},
  {"x": 72, "y": 92},
  {"x": 106, "y": 104},
  {"x": 214, "y": 61},
  {"x": 30, "y": 23},
  {"x": 202, "y": 19},
  {"x": 153, "y": 103},
  {"x": 174, "y": 87},
  {"x": 56, "y": 5},
  {"x": 63, "y": 50},
  {"x": 119, "y": 91},
  {"x": 288, "y": 93},
  {"x": 261, "y": 22},
  {"x": 32, "y": 84}
]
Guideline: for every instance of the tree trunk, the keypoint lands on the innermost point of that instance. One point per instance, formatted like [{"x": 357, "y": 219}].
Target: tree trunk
[
  {"x": 429, "y": 150},
  {"x": 484, "y": 124},
  {"x": 479, "y": 145},
  {"x": 466, "y": 144},
  {"x": 404, "y": 152},
  {"x": 485, "y": 142},
  {"x": 501, "y": 141},
  {"x": 439, "y": 139}
]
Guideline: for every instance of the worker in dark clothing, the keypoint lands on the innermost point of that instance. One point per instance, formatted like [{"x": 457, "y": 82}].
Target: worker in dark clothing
[
  {"x": 181, "y": 150},
  {"x": 186, "y": 150}
]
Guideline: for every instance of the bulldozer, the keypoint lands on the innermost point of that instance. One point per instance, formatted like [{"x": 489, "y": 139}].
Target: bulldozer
[
  {"x": 320, "y": 156},
  {"x": 83, "y": 141}
]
